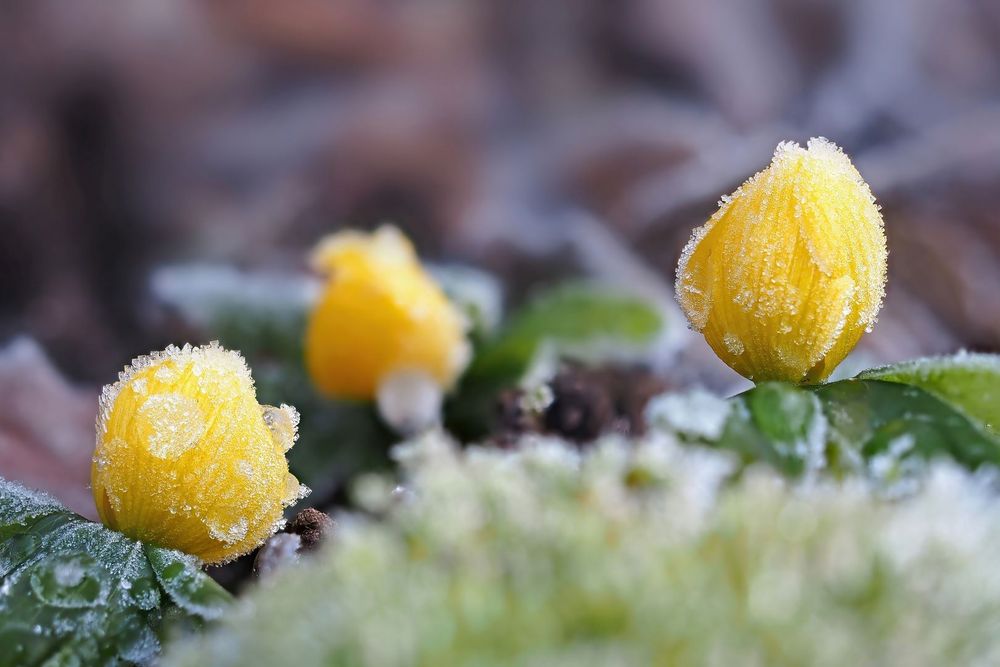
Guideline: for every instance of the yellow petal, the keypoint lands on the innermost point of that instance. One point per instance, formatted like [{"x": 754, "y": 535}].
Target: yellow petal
[
  {"x": 790, "y": 271},
  {"x": 379, "y": 312},
  {"x": 186, "y": 458}
]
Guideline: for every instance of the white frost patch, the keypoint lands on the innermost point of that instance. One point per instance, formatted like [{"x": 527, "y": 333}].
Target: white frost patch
[
  {"x": 176, "y": 424},
  {"x": 409, "y": 401},
  {"x": 228, "y": 533},
  {"x": 68, "y": 573},
  {"x": 894, "y": 473},
  {"x": 698, "y": 413},
  {"x": 280, "y": 551},
  {"x": 201, "y": 291}
]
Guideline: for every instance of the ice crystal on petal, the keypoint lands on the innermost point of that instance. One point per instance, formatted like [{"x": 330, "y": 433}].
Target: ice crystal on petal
[
  {"x": 294, "y": 491},
  {"x": 733, "y": 344},
  {"x": 230, "y": 533},
  {"x": 175, "y": 424},
  {"x": 283, "y": 422},
  {"x": 245, "y": 468}
]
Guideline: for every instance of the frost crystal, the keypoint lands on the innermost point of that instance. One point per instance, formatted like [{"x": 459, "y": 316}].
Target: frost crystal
[
  {"x": 278, "y": 552},
  {"x": 68, "y": 573},
  {"x": 283, "y": 422},
  {"x": 175, "y": 424},
  {"x": 733, "y": 344},
  {"x": 229, "y": 533}
]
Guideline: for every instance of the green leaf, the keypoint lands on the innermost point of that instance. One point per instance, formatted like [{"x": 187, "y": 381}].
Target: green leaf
[
  {"x": 259, "y": 337},
  {"x": 188, "y": 587},
  {"x": 567, "y": 316},
  {"x": 776, "y": 423},
  {"x": 18, "y": 508},
  {"x": 853, "y": 426},
  {"x": 873, "y": 417},
  {"x": 781, "y": 412},
  {"x": 969, "y": 381},
  {"x": 75, "y": 592}
]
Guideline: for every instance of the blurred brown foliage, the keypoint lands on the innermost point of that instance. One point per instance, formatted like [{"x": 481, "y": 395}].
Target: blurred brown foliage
[{"x": 137, "y": 132}]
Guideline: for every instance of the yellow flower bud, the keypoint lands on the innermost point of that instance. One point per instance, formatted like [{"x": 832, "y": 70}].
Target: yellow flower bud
[
  {"x": 379, "y": 313},
  {"x": 790, "y": 271},
  {"x": 186, "y": 458}
]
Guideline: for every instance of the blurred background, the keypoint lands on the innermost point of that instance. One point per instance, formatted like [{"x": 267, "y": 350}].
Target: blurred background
[{"x": 534, "y": 139}]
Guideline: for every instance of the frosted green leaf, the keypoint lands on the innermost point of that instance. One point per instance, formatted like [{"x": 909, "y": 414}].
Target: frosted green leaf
[
  {"x": 203, "y": 293},
  {"x": 180, "y": 577},
  {"x": 70, "y": 581},
  {"x": 18, "y": 505},
  {"x": 867, "y": 416},
  {"x": 845, "y": 427},
  {"x": 969, "y": 381},
  {"x": 75, "y": 593},
  {"x": 569, "y": 316}
]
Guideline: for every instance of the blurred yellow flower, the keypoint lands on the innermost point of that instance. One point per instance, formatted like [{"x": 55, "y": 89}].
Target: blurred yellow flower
[
  {"x": 790, "y": 271},
  {"x": 379, "y": 314},
  {"x": 186, "y": 458}
]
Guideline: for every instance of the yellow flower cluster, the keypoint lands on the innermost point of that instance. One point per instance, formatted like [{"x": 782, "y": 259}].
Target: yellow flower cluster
[
  {"x": 782, "y": 281},
  {"x": 186, "y": 458},
  {"x": 379, "y": 313},
  {"x": 790, "y": 271}
]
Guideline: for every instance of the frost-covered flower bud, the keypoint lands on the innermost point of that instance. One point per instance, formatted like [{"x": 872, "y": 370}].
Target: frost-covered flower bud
[
  {"x": 186, "y": 458},
  {"x": 790, "y": 271},
  {"x": 379, "y": 313}
]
